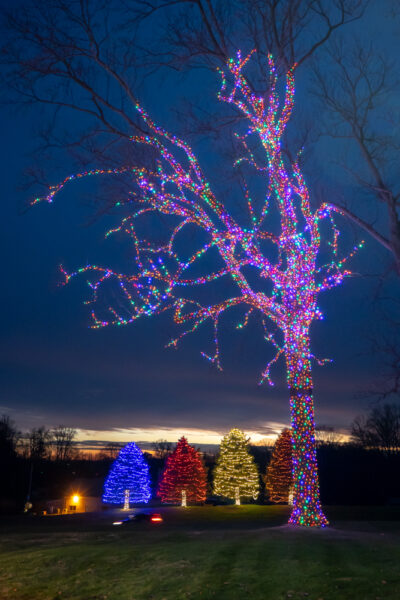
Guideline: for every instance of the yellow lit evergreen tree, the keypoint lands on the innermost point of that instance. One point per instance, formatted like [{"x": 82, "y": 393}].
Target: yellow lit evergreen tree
[
  {"x": 279, "y": 478},
  {"x": 235, "y": 473}
]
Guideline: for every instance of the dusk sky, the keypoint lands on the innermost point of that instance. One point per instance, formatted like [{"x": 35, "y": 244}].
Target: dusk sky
[{"x": 121, "y": 383}]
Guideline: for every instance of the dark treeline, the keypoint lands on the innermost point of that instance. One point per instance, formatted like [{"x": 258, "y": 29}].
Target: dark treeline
[
  {"x": 44, "y": 464},
  {"x": 352, "y": 474}
]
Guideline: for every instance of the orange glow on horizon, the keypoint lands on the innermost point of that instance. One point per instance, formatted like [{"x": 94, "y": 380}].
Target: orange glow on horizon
[{"x": 172, "y": 434}]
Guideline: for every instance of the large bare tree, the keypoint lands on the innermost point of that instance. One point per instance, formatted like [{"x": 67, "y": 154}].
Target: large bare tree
[
  {"x": 360, "y": 97},
  {"x": 67, "y": 55},
  {"x": 359, "y": 100},
  {"x": 89, "y": 56}
]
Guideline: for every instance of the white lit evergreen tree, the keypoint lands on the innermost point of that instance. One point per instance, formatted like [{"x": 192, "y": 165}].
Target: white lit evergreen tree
[{"x": 235, "y": 473}]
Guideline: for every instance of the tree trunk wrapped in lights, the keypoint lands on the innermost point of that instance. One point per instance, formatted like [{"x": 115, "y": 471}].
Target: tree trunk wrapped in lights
[
  {"x": 279, "y": 477},
  {"x": 184, "y": 478},
  {"x": 306, "y": 505},
  {"x": 126, "y": 500},
  {"x": 296, "y": 271},
  {"x": 235, "y": 473}
]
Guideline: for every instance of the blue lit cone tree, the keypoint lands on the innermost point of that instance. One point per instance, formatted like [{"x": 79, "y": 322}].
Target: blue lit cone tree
[
  {"x": 128, "y": 479},
  {"x": 184, "y": 477},
  {"x": 235, "y": 473}
]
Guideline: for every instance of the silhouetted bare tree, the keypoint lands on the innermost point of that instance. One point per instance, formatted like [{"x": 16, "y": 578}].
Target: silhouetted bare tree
[
  {"x": 62, "y": 441},
  {"x": 385, "y": 341},
  {"x": 88, "y": 56},
  {"x": 111, "y": 450},
  {"x": 9, "y": 437},
  {"x": 359, "y": 95},
  {"x": 381, "y": 429},
  {"x": 162, "y": 448},
  {"x": 39, "y": 443}
]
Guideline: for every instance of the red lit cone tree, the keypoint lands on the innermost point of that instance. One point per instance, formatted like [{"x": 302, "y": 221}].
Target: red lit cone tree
[
  {"x": 235, "y": 473},
  {"x": 184, "y": 477},
  {"x": 279, "y": 478}
]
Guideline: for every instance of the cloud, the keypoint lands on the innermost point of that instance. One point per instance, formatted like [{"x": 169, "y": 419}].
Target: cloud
[{"x": 103, "y": 388}]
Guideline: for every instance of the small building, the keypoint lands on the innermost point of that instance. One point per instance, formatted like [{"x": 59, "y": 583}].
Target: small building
[{"x": 83, "y": 496}]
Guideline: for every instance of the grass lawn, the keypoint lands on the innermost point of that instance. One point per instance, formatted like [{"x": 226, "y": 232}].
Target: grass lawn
[{"x": 222, "y": 553}]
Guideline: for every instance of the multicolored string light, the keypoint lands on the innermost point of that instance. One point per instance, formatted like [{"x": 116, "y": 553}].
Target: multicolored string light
[{"x": 178, "y": 187}]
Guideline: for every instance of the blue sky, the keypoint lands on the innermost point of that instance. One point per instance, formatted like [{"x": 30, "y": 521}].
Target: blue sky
[{"x": 121, "y": 383}]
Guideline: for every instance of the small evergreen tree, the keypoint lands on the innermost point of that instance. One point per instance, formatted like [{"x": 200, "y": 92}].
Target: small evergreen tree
[
  {"x": 279, "y": 477},
  {"x": 184, "y": 477},
  {"x": 235, "y": 473},
  {"x": 128, "y": 479}
]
